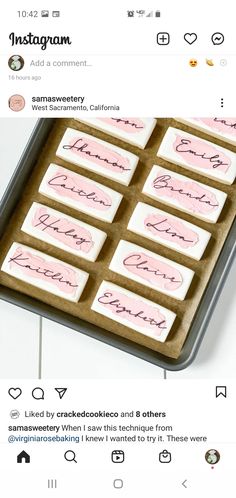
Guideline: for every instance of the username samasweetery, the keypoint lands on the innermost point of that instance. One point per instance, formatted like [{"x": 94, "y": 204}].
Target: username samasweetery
[{"x": 31, "y": 39}]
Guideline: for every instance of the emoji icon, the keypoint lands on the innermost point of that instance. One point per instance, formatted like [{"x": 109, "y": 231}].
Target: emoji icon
[
  {"x": 193, "y": 62},
  {"x": 209, "y": 62}
]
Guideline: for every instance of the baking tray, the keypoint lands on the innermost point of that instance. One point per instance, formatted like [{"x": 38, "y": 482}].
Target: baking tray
[{"x": 205, "y": 309}]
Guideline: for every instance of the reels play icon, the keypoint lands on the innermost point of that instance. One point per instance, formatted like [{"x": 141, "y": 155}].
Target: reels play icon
[{"x": 117, "y": 456}]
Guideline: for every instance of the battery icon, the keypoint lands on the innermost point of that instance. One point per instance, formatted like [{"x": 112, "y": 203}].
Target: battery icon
[
  {"x": 158, "y": 13},
  {"x": 55, "y": 13}
]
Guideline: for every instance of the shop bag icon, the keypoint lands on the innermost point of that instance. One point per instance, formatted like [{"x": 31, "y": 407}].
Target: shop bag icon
[{"x": 165, "y": 456}]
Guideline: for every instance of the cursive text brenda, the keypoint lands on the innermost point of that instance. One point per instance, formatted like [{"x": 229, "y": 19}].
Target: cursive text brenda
[{"x": 162, "y": 182}]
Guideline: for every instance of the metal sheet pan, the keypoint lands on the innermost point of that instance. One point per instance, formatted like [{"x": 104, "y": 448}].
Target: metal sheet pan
[{"x": 205, "y": 309}]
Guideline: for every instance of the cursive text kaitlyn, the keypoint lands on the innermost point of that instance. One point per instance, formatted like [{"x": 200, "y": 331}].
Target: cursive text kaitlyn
[{"x": 19, "y": 261}]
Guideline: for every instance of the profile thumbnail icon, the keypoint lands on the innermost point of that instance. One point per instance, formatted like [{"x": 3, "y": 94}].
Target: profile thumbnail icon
[
  {"x": 16, "y": 62},
  {"x": 212, "y": 457},
  {"x": 16, "y": 103}
]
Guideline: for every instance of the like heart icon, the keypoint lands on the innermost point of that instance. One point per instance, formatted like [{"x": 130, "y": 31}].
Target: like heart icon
[
  {"x": 190, "y": 38},
  {"x": 15, "y": 392}
]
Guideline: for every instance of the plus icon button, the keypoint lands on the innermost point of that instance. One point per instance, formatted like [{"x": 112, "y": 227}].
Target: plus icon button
[{"x": 163, "y": 38}]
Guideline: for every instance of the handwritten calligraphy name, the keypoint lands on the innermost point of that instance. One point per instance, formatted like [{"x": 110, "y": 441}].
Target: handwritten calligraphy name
[
  {"x": 215, "y": 160},
  {"x": 162, "y": 182},
  {"x": 120, "y": 308},
  {"x": 57, "y": 276},
  {"x": 43, "y": 221},
  {"x": 59, "y": 181},
  {"x": 84, "y": 149}
]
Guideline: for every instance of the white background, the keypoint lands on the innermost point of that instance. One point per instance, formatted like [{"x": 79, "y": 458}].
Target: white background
[
  {"x": 126, "y": 66},
  {"x": 31, "y": 347}
]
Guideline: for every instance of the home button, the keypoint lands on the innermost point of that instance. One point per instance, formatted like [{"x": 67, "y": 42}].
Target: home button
[{"x": 23, "y": 457}]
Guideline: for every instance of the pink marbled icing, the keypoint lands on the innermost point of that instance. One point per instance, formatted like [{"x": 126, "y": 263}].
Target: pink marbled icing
[
  {"x": 154, "y": 271},
  {"x": 187, "y": 193},
  {"x": 69, "y": 233},
  {"x": 197, "y": 153},
  {"x": 222, "y": 125},
  {"x": 36, "y": 267},
  {"x": 172, "y": 230},
  {"x": 73, "y": 186},
  {"x": 133, "y": 310},
  {"x": 99, "y": 154},
  {"x": 129, "y": 125}
]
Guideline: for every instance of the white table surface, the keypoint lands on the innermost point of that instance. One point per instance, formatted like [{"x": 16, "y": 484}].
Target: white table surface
[{"x": 32, "y": 347}]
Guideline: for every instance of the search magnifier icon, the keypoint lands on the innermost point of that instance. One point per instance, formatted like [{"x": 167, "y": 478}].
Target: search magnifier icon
[{"x": 70, "y": 456}]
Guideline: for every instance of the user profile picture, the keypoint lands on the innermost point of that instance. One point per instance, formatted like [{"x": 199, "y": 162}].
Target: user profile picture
[
  {"x": 16, "y": 103},
  {"x": 212, "y": 457},
  {"x": 16, "y": 62}
]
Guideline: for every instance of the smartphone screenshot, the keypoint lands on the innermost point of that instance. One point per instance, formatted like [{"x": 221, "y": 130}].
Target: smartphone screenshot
[{"x": 117, "y": 249}]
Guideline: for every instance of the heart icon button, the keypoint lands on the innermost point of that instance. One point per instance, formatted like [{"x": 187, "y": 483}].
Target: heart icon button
[
  {"x": 15, "y": 392},
  {"x": 190, "y": 38}
]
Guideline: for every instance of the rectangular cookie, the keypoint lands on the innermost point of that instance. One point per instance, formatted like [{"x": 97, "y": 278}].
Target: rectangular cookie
[
  {"x": 45, "y": 272},
  {"x": 181, "y": 192},
  {"x": 98, "y": 156},
  {"x": 135, "y": 131},
  {"x": 168, "y": 230},
  {"x": 152, "y": 270},
  {"x": 81, "y": 193},
  {"x": 222, "y": 128},
  {"x": 198, "y": 155},
  {"x": 133, "y": 311},
  {"x": 63, "y": 231}
]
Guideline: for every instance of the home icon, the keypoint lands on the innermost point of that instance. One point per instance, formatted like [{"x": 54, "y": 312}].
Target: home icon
[{"x": 23, "y": 457}]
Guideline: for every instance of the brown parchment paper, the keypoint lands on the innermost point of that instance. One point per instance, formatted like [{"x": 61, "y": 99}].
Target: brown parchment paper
[{"x": 98, "y": 271}]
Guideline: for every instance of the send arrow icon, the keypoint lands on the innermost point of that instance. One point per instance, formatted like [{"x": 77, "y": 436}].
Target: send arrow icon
[{"x": 61, "y": 391}]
